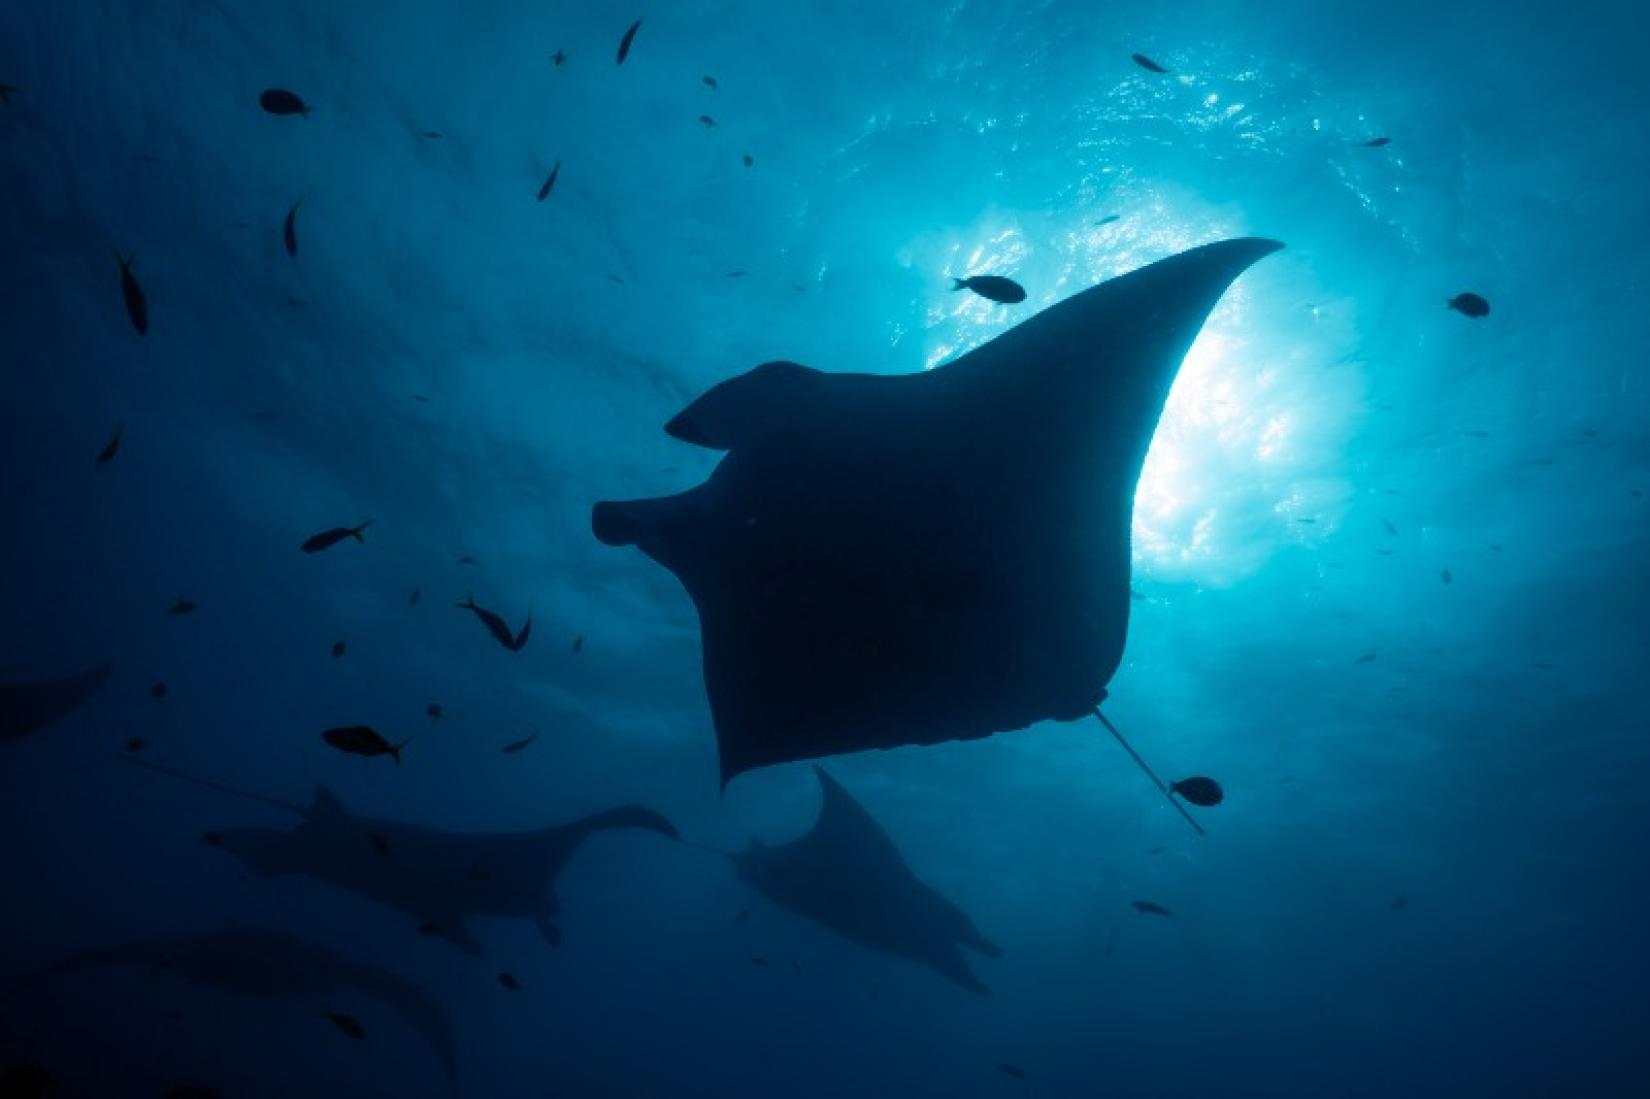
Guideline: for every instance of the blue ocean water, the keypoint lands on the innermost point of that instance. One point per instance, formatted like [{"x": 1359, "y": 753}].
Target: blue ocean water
[{"x": 1389, "y": 559}]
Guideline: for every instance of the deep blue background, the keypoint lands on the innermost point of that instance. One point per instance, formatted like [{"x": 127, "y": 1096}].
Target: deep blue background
[{"x": 1488, "y": 764}]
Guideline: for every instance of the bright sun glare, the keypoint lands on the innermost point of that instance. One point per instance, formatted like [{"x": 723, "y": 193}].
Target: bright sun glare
[{"x": 1227, "y": 435}]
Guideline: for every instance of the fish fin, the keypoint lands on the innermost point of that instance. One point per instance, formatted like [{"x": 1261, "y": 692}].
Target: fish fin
[
  {"x": 958, "y": 284},
  {"x": 395, "y": 752},
  {"x": 356, "y": 532}
]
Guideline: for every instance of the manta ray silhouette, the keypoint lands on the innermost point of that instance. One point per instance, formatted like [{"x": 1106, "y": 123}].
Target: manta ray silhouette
[
  {"x": 249, "y": 961},
  {"x": 909, "y": 559},
  {"x": 29, "y": 707},
  {"x": 437, "y": 878},
  {"x": 846, "y": 874}
]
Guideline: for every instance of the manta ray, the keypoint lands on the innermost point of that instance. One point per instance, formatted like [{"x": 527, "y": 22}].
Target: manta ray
[
  {"x": 249, "y": 961},
  {"x": 882, "y": 560},
  {"x": 29, "y": 707},
  {"x": 437, "y": 878},
  {"x": 846, "y": 874}
]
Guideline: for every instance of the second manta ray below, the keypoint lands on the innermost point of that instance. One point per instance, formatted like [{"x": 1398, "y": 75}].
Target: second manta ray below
[
  {"x": 252, "y": 962},
  {"x": 908, "y": 559},
  {"x": 846, "y": 874},
  {"x": 436, "y": 878}
]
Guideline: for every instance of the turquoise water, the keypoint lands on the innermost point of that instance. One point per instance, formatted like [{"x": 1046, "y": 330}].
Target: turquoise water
[{"x": 1427, "y": 875}]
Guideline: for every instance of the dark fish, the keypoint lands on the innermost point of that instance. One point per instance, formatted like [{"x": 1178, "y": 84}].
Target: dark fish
[
  {"x": 992, "y": 287},
  {"x": 433, "y": 135},
  {"x": 709, "y": 82},
  {"x": 413, "y": 597},
  {"x": 1156, "y": 850},
  {"x": 518, "y": 745},
  {"x": 496, "y": 625},
  {"x": 1366, "y": 658},
  {"x": 429, "y": 927},
  {"x": 289, "y": 229},
  {"x": 134, "y": 744},
  {"x": 508, "y": 980},
  {"x": 624, "y": 43},
  {"x": 183, "y": 606},
  {"x": 739, "y": 274},
  {"x": 760, "y": 962},
  {"x": 558, "y": 57},
  {"x": 433, "y": 711},
  {"x": 158, "y": 692},
  {"x": 281, "y": 101},
  {"x": 137, "y": 306},
  {"x": 744, "y": 914},
  {"x": 5, "y": 94},
  {"x": 796, "y": 965},
  {"x": 1377, "y": 142},
  {"x": 706, "y": 121},
  {"x": 212, "y": 839},
  {"x": 1390, "y": 529},
  {"x": 337, "y": 649},
  {"x": 419, "y": 397},
  {"x": 1012, "y": 1070},
  {"x": 1307, "y": 522},
  {"x": 1147, "y": 63},
  {"x": 578, "y": 643},
  {"x": 1205, "y": 792},
  {"x": 1108, "y": 219},
  {"x": 549, "y": 182},
  {"x": 1445, "y": 576},
  {"x": 748, "y": 160},
  {"x": 1148, "y": 908},
  {"x": 466, "y": 559},
  {"x": 348, "y": 1025},
  {"x": 1400, "y": 902},
  {"x": 26, "y": 1081},
  {"x": 315, "y": 543},
  {"x": 379, "y": 843},
  {"x": 112, "y": 447},
  {"x": 363, "y": 740},
  {"x": 1470, "y": 304},
  {"x": 520, "y": 642}
]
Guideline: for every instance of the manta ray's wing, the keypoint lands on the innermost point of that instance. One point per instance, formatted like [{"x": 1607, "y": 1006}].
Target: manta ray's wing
[
  {"x": 29, "y": 707},
  {"x": 413, "y": 1004},
  {"x": 251, "y": 961},
  {"x": 846, "y": 874},
  {"x": 905, "y": 560},
  {"x": 552, "y": 848},
  {"x": 845, "y": 834}
]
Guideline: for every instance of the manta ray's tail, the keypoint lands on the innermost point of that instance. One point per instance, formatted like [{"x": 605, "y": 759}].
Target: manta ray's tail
[
  {"x": 222, "y": 788},
  {"x": 1127, "y": 747}
]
